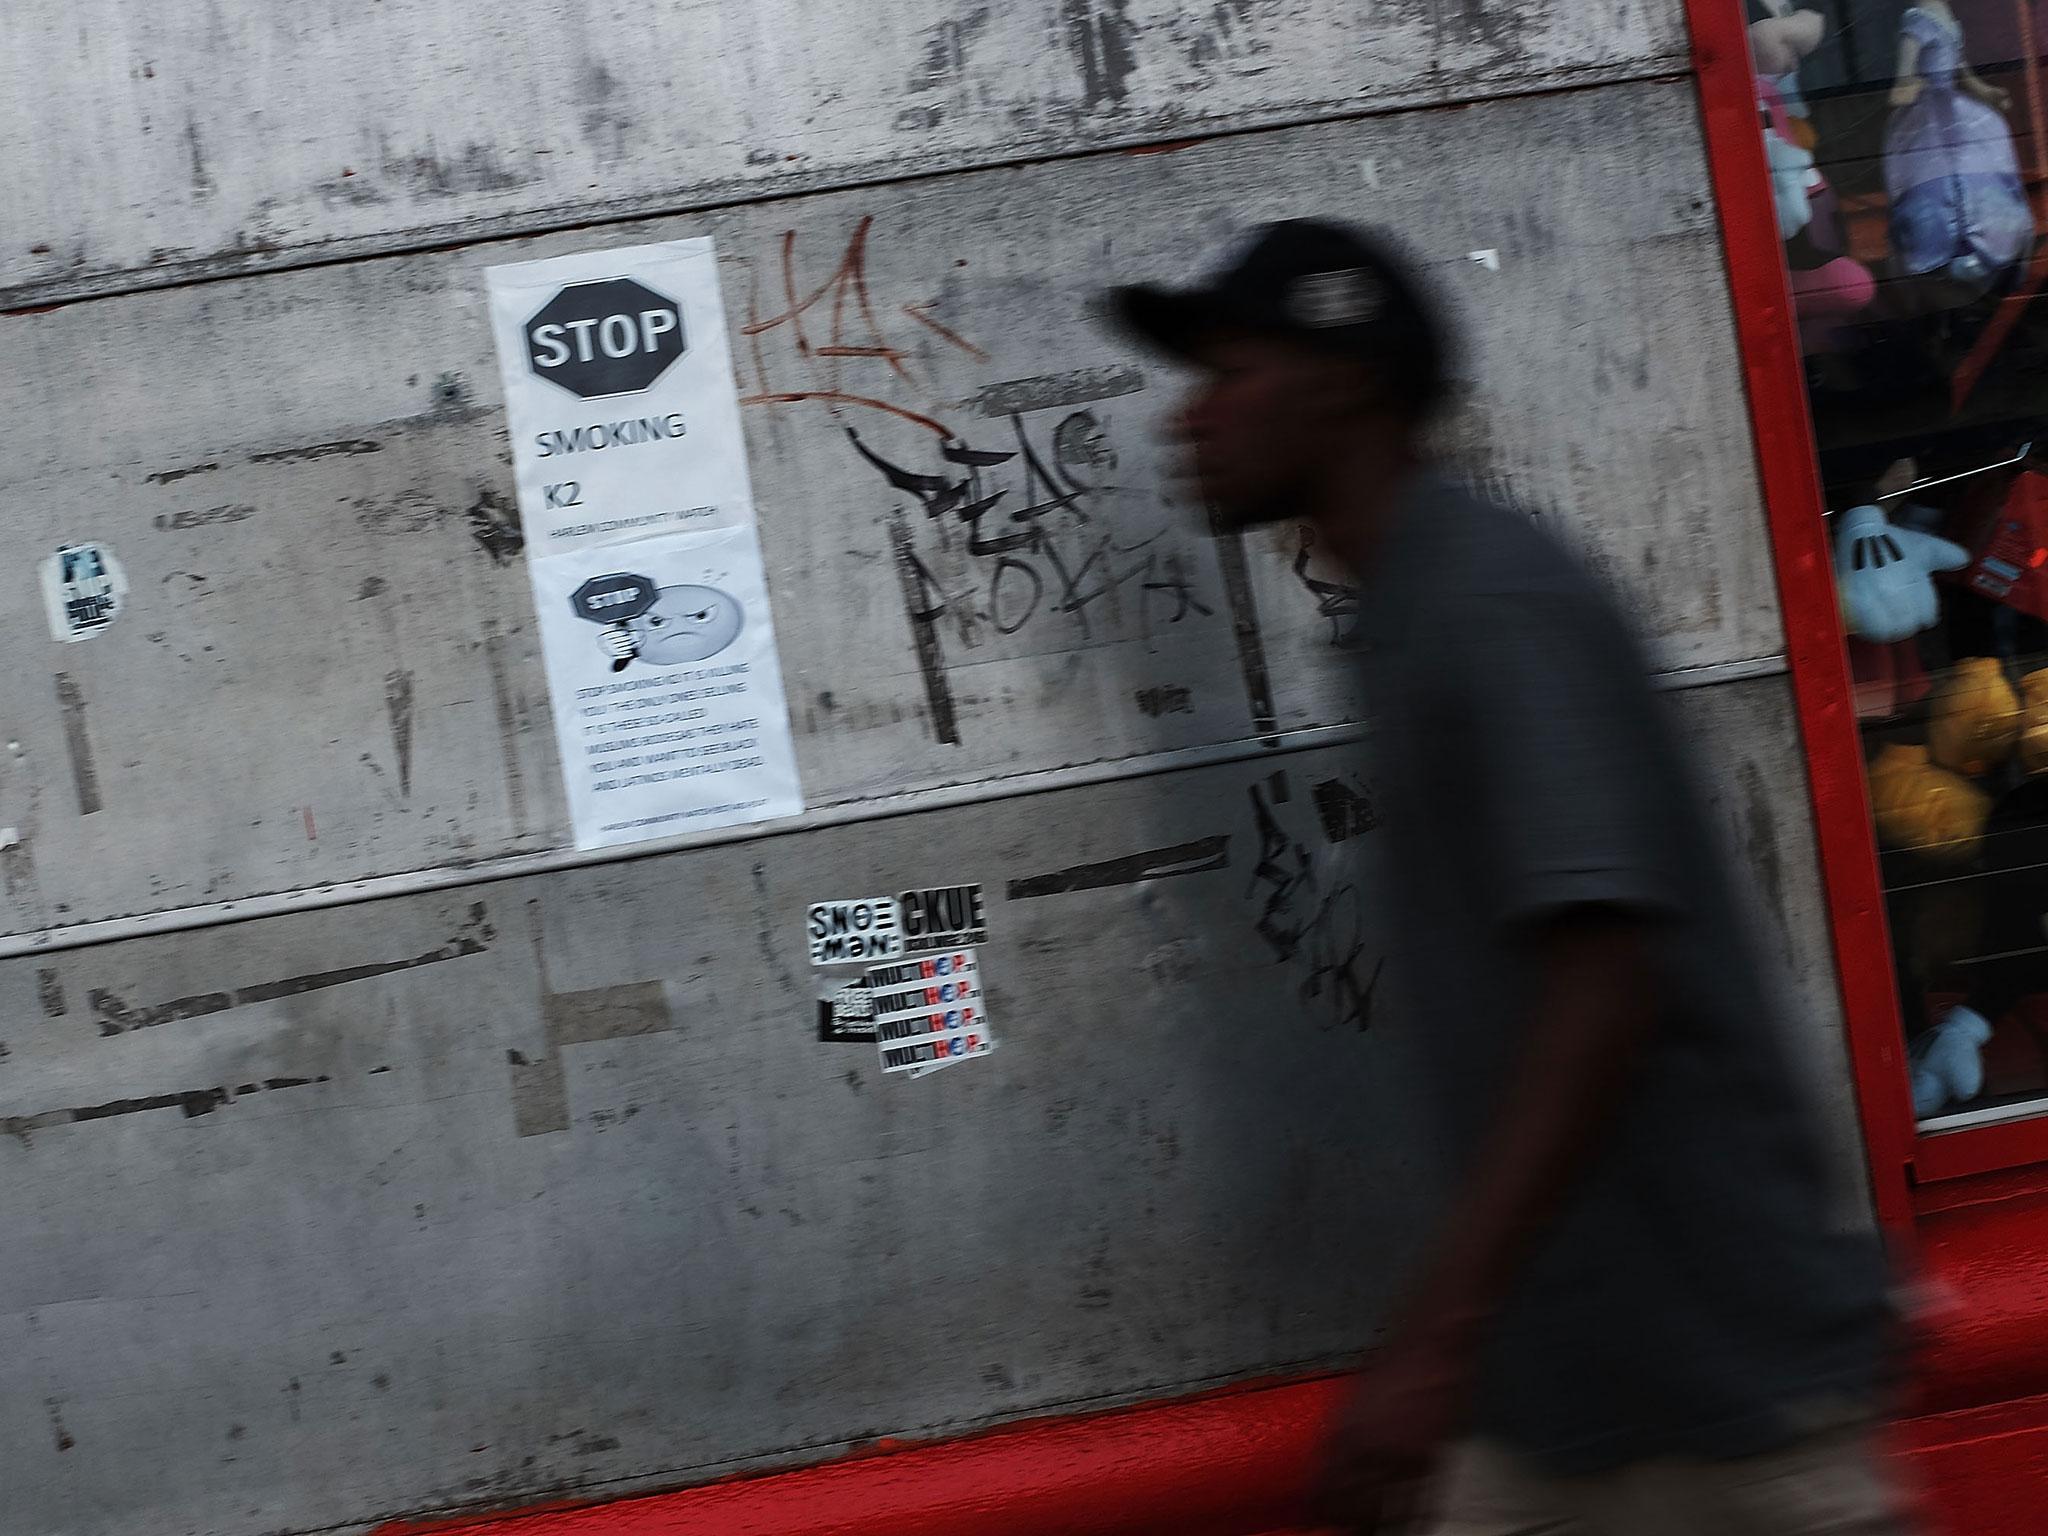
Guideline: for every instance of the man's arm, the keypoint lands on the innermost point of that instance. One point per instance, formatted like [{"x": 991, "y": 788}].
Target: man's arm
[{"x": 1596, "y": 997}]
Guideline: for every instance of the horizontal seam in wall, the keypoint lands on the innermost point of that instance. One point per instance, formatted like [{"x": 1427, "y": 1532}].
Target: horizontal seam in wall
[
  {"x": 37, "y": 297},
  {"x": 113, "y": 930}
]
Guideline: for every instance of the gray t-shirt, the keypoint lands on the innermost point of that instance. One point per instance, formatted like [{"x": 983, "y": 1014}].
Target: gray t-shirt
[{"x": 1691, "y": 1299}]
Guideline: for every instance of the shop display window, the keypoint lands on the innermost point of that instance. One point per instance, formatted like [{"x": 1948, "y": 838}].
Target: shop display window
[{"x": 1908, "y": 173}]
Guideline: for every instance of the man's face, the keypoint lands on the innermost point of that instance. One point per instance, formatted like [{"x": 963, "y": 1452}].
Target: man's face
[{"x": 1257, "y": 428}]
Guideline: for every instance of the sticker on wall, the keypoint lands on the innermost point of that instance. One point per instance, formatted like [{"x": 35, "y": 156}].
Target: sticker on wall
[
  {"x": 942, "y": 917},
  {"x": 83, "y": 589},
  {"x": 619, "y": 394},
  {"x": 639, "y": 523},
  {"x": 847, "y": 1014},
  {"x": 930, "y": 1013},
  {"x": 854, "y": 932},
  {"x": 666, "y": 687}
]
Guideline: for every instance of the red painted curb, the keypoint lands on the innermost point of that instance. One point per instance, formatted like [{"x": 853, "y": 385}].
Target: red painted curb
[{"x": 1220, "y": 1465}]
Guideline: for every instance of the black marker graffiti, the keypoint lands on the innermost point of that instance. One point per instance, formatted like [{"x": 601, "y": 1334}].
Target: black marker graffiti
[
  {"x": 494, "y": 524},
  {"x": 1338, "y": 601},
  {"x": 1012, "y": 532},
  {"x": 1047, "y": 550},
  {"x": 1320, "y": 930}
]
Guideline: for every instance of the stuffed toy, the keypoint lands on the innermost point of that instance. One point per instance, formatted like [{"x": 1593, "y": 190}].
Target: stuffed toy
[
  {"x": 2034, "y": 721},
  {"x": 1974, "y": 719},
  {"x": 1827, "y": 297},
  {"x": 1791, "y": 167},
  {"x": 1884, "y": 575},
  {"x": 1958, "y": 207},
  {"x": 1929, "y": 810},
  {"x": 1948, "y": 1061},
  {"x": 1816, "y": 236},
  {"x": 1781, "y": 39}
]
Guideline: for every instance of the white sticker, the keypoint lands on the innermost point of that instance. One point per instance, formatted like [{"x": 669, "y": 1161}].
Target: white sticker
[
  {"x": 619, "y": 394},
  {"x": 930, "y": 1013},
  {"x": 854, "y": 932},
  {"x": 671, "y": 718},
  {"x": 639, "y": 524},
  {"x": 83, "y": 589}
]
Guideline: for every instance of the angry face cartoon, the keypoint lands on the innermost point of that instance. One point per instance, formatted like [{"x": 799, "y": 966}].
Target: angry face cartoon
[{"x": 687, "y": 623}]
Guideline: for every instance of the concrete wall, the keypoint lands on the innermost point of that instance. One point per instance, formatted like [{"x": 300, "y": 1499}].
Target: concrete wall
[
  {"x": 146, "y": 145},
  {"x": 365, "y": 1150}
]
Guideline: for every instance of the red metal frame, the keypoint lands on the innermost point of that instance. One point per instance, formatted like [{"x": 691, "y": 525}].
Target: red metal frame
[
  {"x": 1231, "y": 1463},
  {"x": 1767, "y": 333},
  {"x": 1981, "y": 1149},
  {"x": 1238, "y": 1464}
]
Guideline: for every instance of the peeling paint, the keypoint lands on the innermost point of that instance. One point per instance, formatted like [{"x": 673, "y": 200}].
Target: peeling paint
[
  {"x": 169, "y": 476},
  {"x": 606, "y": 120},
  {"x": 494, "y": 524},
  {"x": 398, "y": 705},
  {"x": 944, "y": 64},
  {"x": 195, "y": 1102},
  {"x": 1165, "y": 699},
  {"x": 202, "y": 517},
  {"x": 1103, "y": 42},
  {"x": 117, "y": 1017},
  {"x": 1155, "y": 864},
  {"x": 1501, "y": 30},
  {"x": 511, "y": 723},
  {"x": 346, "y": 445},
  {"x": 477, "y": 168},
  {"x": 195, "y": 153},
  {"x": 540, "y": 1092},
  {"x": 78, "y": 744}
]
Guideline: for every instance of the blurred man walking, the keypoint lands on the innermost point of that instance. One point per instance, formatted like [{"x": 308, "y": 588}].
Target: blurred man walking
[{"x": 1634, "y": 1318}]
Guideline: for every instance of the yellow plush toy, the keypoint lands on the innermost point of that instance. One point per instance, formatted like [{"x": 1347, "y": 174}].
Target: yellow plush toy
[
  {"x": 1974, "y": 718},
  {"x": 2034, "y": 721},
  {"x": 1928, "y": 809}
]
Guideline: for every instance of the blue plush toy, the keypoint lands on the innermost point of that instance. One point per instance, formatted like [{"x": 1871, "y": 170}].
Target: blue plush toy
[{"x": 1948, "y": 1061}]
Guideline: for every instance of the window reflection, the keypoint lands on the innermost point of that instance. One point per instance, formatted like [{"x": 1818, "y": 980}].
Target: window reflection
[{"x": 1909, "y": 169}]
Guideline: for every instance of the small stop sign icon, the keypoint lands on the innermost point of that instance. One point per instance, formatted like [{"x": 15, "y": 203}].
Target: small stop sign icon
[
  {"x": 610, "y": 337},
  {"x": 613, "y": 599}
]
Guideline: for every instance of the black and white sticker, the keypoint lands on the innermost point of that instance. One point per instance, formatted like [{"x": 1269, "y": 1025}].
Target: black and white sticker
[
  {"x": 942, "y": 917},
  {"x": 857, "y": 932},
  {"x": 848, "y": 1014},
  {"x": 83, "y": 589}
]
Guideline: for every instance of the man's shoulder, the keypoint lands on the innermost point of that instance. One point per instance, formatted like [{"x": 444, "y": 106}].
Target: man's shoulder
[{"x": 1480, "y": 548}]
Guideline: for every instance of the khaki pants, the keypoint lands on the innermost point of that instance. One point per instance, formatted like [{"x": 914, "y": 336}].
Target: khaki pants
[{"x": 1838, "y": 1484}]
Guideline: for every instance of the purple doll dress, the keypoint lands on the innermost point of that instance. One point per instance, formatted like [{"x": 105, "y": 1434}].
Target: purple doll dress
[{"x": 1957, "y": 204}]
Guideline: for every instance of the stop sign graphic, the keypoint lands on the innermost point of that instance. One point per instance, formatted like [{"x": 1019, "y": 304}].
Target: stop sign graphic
[
  {"x": 611, "y": 337},
  {"x": 613, "y": 599}
]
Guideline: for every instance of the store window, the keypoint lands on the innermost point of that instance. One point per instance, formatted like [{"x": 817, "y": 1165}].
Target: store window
[{"x": 1909, "y": 169}]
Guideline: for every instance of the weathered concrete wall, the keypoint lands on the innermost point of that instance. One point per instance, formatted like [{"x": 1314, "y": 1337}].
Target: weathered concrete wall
[
  {"x": 327, "y": 670},
  {"x": 571, "y": 1196},
  {"x": 532, "y": 1175},
  {"x": 157, "y": 144}
]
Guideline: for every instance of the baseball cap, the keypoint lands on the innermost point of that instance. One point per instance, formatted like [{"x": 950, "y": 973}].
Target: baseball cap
[{"x": 1326, "y": 285}]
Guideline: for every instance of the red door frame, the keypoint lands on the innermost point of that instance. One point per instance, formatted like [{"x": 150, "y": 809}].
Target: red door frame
[{"x": 1767, "y": 333}]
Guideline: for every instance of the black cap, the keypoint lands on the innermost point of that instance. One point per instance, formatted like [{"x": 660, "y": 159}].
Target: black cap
[{"x": 1326, "y": 285}]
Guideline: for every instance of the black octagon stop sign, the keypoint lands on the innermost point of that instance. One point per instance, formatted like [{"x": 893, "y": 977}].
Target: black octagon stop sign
[
  {"x": 611, "y": 337},
  {"x": 613, "y": 599}
]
